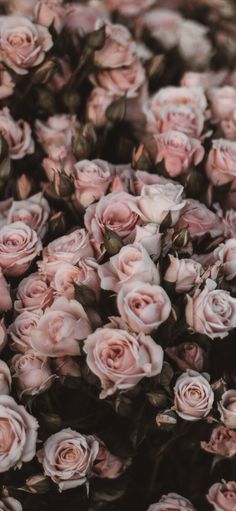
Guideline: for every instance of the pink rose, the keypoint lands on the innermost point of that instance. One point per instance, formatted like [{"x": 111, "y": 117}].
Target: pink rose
[
  {"x": 221, "y": 162},
  {"x": 25, "y": 7},
  {"x": 6, "y": 301},
  {"x": 107, "y": 465},
  {"x": 122, "y": 81},
  {"x": 91, "y": 180},
  {"x": 33, "y": 211},
  {"x": 60, "y": 329},
  {"x": 187, "y": 355},
  {"x": 5, "y": 379},
  {"x": 223, "y": 496},
  {"x": 172, "y": 502},
  {"x": 81, "y": 19},
  {"x": 229, "y": 126},
  {"x": 178, "y": 151},
  {"x": 221, "y": 443},
  {"x": 227, "y": 408},
  {"x": 67, "y": 457},
  {"x": 143, "y": 306},
  {"x": 184, "y": 273},
  {"x": 54, "y": 168},
  {"x": 122, "y": 268},
  {"x": 142, "y": 178},
  {"x": 121, "y": 359},
  {"x": 193, "y": 96},
  {"x": 222, "y": 102},
  {"x": 21, "y": 328},
  {"x": 194, "y": 396},
  {"x": 150, "y": 237},
  {"x": 129, "y": 8},
  {"x": 33, "y": 293},
  {"x": 67, "y": 366},
  {"x": 194, "y": 45},
  {"x": 211, "y": 311},
  {"x": 118, "y": 50},
  {"x": 10, "y": 504},
  {"x": 199, "y": 220},
  {"x": 226, "y": 254},
  {"x": 17, "y": 135},
  {"x": 20, "y": 434},
  {"x": 184, "y": 118},
  {"x": 6, "y": 84},
  {"x": 50, "y": 13},
  {"x": 66, "y": 276},
  {"x": 158, "y": 201},
  {"x": 19, "y": 245},
  {"x": 98, "y": 102},
  {"x": 32, "y": 373},
  {"x": 3, "y": 336},
  {"x": 203, "y": 79},
  {"x": 69, "y": 248},
  {"x": 56, "y": 134},
  {"x": 23, "y": 44},
  {"x": 162, "y": 24}
]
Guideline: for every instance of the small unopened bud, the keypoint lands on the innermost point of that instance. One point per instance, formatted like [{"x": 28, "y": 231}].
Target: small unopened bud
[
  {"x": 181, "y": 238},
  {"x": 46, "y": 101},
  {"x": 157, "y": 398},
  {"x": 219, "y": 387},
  {"x": 57, "y": 224},
  {"x": 112, "y": 241},
  {"x": 71, "y": 101},
  {"x": 166, "y": 375},
  {"x": 96, "y": 39},
  {"x": 166, "y": 222},
  {"x": 155, "y": 66},
  {"x": 166, "y": 420},
  {"x": 51, "y": 421},
  {"x": 85, "y": 295},
  {"x": 116, "y": 110},
  {"x": 193, "y": 184},
  {"x": 64, "y": 185},
  {"x": 141, "y": 159},
  {"x": 84, "y": 141},
  {"x": 23, "y": 187},
  {"x": 37, "y": 484},
  {"x": 44, "y": 73},
  {"x": 5, "y": 170}
]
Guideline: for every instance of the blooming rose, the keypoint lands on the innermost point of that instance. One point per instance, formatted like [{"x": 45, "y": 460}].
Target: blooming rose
[
  {"x": 33, "y": 211},
  {"x": 21, "y": 328},
  {"x": 203, "y": 79},
  {"x": 32, "y": 373},
  {"x": 69, "y": 248},
  {"x": 10, "y": 504},
  {"x": 23, "y": 44},
  {"x": 221, "y": 162},
  {"x": 158, "y": 201},
  {"x": 6, "y": 301},
  {"x": 222, "y": 102},
  {"x": 122, "y": 81},
  {"x": 143, "y": 306},
  {"x": 3, "y": 336},
  {"x": 60, "y": 329},
  {"x": 129, "y": 8},
  {"x": 162, "y": 24},
  {"x": 118, "y": 50},
  {"x": 184, "y": 118},
  {"x": 49, "y": 13},
  {"x": 199, "y": 220},
  {"x": 172, "y": 502},
  {"x": 193, "y": 44},
  {"x": 6, "y": 84},
  {"x": 187, "y": 355},
  {"x": 67, "y": 275},
  {"x": 184, "y": 273},
  {"x": 56, "y": 134},
  {"x": 193, "y": 96},
  {"x": 223, "y": 496},
  {"x": 19, "y": 245},
  {"x": 81, "y": 19},
  {"x": 227, "y": 408},
  {"x": 33, "y": 293},
  {"x": 194, "y": 396},
  {"x": 221, "y": 443},
  {"x": 178, "y": 151},
  {"x": 18, "y": 434},
  {"x": 226, "y": 254},
  {"x": 121, "y": 359},
  {"x": 91, "y": 180},
  {"x": 5, "y": 379},
  {"x": 107, "y": 464},
  {"x": 98, "y": 102},
  {"x": 211, "y": 311},
  {"x": 142, "y": 178},
  {"x": 150, "y": 237},
  {"x": 17, "y": 135},
  {"x": 67, "y": 457}
]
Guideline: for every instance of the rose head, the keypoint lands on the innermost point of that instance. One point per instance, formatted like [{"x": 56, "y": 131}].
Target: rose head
[
  {"x": 193, "y": 396},
  {"x": 222, "y": 496}
]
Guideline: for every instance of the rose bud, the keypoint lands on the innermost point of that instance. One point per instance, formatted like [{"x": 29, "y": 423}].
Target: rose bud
[
  {"x": 187, "y": 355},
  {"x": 221, "y": 443},
  {"x": 10, "y": 504},
  {"x": 181, "y": 238},
  {"x": 227, "y": 409},
  {"x": 166, "y": 419},
  {"x": 115, "y": 112},
  {"x": 57, "y": 224},
  {"x": 222, "y": 496},
  {"x": 194, "y": 396},
  {"x": 5, "y": 378},
  {"x": 6, "y": 301},
  {"x": 96, "y": 39},
  {"x": 44, "y": 72},
  {"x": 141, "y": 158},
  {"x": 184, "y": 273},
  {"x": 118, "y": 49},
  {"x": 98, "y": 102},
  {"x": 106, "y": 464},
  {"x": 37, "y": 484},
  {"x": 112, "y": 242},
  {"x": 32, "y": 373},
  {"x": 23, "y": 187},
  {"x": 170, "y": 502},
  {"x": 72, "y": 101},
  {"x": 64, "y": 186},
  {"x": 67, "y": 366}
]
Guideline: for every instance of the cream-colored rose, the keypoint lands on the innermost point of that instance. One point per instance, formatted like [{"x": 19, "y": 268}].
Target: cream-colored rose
[{"x": 194, "y": 396}]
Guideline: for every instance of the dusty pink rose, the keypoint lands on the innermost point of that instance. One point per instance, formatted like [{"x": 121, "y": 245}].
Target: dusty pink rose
[
  {"x": 33, "y": 293},
  {"x": 142, "y": 178},
  {"x": 172, "y": 502},
  {"x": 184, "y": 118},
  {"x": 187, "y": 355},
  {"x": 118, "y": 50},
  {"x": 91, "y": 180},
  {"x": 130, "y": 262},
  {"x": 6, "y": 84},
  {"x": 81, "y": 19},
  {"x": 50, "y": 13},
  {"x": 178, "y": 151},
  {"x": 10, "y": 504},
  {"x": 226, "y": 254},
  {"x": 19, "y": 245},
  {"x": 227, "y": 408},
  {"x": 67, "y": 366},
  {"x": 20, "y": 434},
  {"x": 194, "y": 45},
  {"x": 162, "y": 24},
  {"x": 211, "y": 311},
  {"x": 33, "y": 211},
  {"x": 194, "y": 396},
  {"x": 143, "y": 306},
  {"x": 107, "y": 465},
  {"x": 229, "y": 127},
  {"x": 6, "y": 301},
  {"x": 23, "y": 44},
  {"x": 66, "y": 276},
  {"x": 122, "y": 81},
  {"x": 32, "y": 373},
  {"x": 5, "y": 379},
  {"x": 222, "y": 102},
  {"x": 156, "y": 202},
  {"x": 222, "y": 496},
  {"x": 98, "y": 102},
  {"x": 69, "y": 248},
  {"x": 184, "y": 273},
  {"x": 193, "y": 96},
  {"x": 121, "y": 359},
  {"x": 17, "y": 135},
  {"x": 129, "y": 8},
  {"x": 150, "y": 237},
  {"x": 221, "y": 162},
  {"x": 21, "y": 328},
  {"x": 67, "y": 457},
  {"x": 199, "y": 220},
  {"x": 206, "y": 79},
  {"x": 60, "y": 329},
  {"x": 56, "y": 134},
  {"x": 222, "y": 442},
  {"x": 3, "y": 335}
]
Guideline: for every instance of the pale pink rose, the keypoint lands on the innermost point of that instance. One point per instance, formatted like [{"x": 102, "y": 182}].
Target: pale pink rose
[
  {"x": 66, "y": 276},
  {"x": 222, "y": 442},
  {"x": 69, "y": 248},
  {"x": 17, "y": 135},
  {"x": 158, "y": 201},
  {"x": 21, "y": 328},
  {"x": 150, "y": 237},
  {"x": 179, "y": 96},
  {"x": 32, "y": 373},
  {"x": 106, "y": 464},
  {"x": 199, "y": 220},
  {"x": 141, "y": 178},
  {"x": 10, "y": 504},
  {"x": 67, "y": 457},
  {"x": 5, "y": 379},
  {"x": 205, "y": 79},
  {"x": 122, "y": 81},
  {"x": 81, "y": 19},
  {"x": 6, "y": 301},
  {"x": 56, "y": 134},
  {"x": 172, "y": 502},
  {"x": 33, "y": 211},
  {"x": 178, "y": 151},
  {"x": 187, "y": 355},
  {"x": 184, "y": 273},
  {"x": 229, "y": 126},
  {"x": 19, "y": 246},
  {"x": 194, "y": 396},
  {"x": 222, "y": 496},
  {"x": 6, "y": 84},
  {"x": 3, "y": 335},
  {"x": 67, "y": 366},
  {"x": 222, "y": 102},
  {"x": 184, "y": 118},
  {"x": 226, "y": 254},
  {"x": 221, "y": 162},
  {"x": 211, "y": 311},
  {"x": 124, "y": 267},
  {"x": 123, "y": 177},
  {"x": 143, "y": 306},
  {"x": 118, "y": 50},
  {"x": 162, "y": 24},
  {"x": 227, "y": 408},
  {"x": 194, "y": 45},
  {"x": 98, "y": 102},
  {"x": 121, "y": 359},
  {"x": 20, "y": 434},
  {"x": 50, "y": 13},
  {"x": 23, "y": 44},
  {"x": 33, "y": 293},
  {"x": 129, "y": 8},
  {"x": 25, "y": 7},
  {"x": 60, "y": 329},
  {"x": 61, "y": 75},
  {"x": 91, "y": 180}
]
